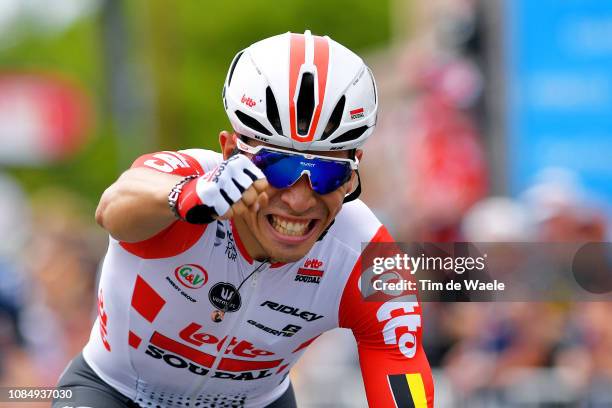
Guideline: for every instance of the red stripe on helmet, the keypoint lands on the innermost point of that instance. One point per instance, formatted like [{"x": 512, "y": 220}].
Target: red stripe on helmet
[
  {"x": 297, "y": 55},
  {"x": 321, "y": 61}
]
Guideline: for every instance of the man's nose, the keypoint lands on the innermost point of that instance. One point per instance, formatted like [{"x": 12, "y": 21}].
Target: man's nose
[{"x": 299, "y": 197}]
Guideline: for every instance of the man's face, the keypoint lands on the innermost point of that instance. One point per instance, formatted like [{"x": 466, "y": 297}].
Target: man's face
[{"x": 287, "y": 227}]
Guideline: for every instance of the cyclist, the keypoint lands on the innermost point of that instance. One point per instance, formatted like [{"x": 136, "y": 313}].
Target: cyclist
[{"x": 223, "y": 268}]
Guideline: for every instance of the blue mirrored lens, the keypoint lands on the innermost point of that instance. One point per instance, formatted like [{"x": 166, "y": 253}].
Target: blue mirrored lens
[{"x": 282, "y": 170}]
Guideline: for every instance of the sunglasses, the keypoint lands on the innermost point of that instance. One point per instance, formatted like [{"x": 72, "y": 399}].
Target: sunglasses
[{"x": 283, "y": 168}]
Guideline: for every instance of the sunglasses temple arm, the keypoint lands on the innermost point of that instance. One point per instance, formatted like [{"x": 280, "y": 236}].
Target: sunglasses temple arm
[{"x": 353, "y": 195}]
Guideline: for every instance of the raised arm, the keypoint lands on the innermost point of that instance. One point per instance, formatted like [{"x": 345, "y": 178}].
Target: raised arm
[{"x": 135, "y": 207}]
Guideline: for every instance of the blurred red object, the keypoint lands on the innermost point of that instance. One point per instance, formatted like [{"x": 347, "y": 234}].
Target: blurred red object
[
  {"x": 445, "y": 161},
  {"x": 42, "y": 118}
]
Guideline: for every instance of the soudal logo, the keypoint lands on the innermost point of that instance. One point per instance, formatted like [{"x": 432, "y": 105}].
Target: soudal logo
[
  {"x": 306, "y": 164},
  {"x": 191, "y": 276},
  {"x": 310, "y": 273},
  {"x": 293, "y": 311},
  {"x": 356, "y": 113},
  {"x": 247, "y": 101},
  {"x": 181, "y": 356},
  {"x": 401, "y": 312}
]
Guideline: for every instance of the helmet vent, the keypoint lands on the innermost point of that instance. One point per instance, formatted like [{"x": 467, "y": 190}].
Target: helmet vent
[
  {"x": 272, "y": 111},
  {"x": 350, "y": 135},
  {"x": 334, "y": 119},
  {"x": 231, "y": 72},
  {"x": 305, "y": 104},
  {"x": 252, "y": 123}
]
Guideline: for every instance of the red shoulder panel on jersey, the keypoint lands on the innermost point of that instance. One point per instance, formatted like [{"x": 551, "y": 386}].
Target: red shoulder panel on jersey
[
  {"x": 351, "y": 295},
  {"x": 174, "y": 240}
]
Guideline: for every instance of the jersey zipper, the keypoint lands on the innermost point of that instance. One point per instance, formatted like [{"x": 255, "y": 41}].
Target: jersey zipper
[{"x": 228, "y": 337}]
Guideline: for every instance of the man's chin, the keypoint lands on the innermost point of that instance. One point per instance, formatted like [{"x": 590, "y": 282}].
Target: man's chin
[{"x": 286, "y": 255}]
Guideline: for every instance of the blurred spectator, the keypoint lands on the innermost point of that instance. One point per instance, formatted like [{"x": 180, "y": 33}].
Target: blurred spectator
[
  {"x": 57, "y": 279},
  {"x": 562, "y": 210}
]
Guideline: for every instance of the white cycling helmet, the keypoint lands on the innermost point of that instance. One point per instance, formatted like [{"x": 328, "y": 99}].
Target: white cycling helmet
[{"x": 301, "y": 91}]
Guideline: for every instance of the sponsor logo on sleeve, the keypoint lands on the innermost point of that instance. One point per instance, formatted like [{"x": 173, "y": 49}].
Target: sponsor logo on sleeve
[
  {"x": 103, "y": 320},
  {"x": 410, "y": 319},
  {"x": 166, "y": 162}
]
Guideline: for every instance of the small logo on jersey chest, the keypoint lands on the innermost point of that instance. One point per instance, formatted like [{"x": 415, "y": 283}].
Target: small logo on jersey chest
[
  {"x": 293, "y": 311},
  {"x": 224, "y": 296},
  {"x": 287, "y": 331},
  {"x": 191, "y": 276},
  {"x": 311, "y": 271}
]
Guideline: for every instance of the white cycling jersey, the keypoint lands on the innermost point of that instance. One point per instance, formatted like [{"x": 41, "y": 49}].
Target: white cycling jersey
[{"x": 155, "y": 341}]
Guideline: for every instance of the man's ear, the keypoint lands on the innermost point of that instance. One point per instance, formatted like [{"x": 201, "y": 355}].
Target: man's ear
[
  {"x": 359, "y": 154},
  {"x": 228, "y": 143}
]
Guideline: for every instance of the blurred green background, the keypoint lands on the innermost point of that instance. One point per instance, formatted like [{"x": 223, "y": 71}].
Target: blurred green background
[{"x": 169, "y": 52}]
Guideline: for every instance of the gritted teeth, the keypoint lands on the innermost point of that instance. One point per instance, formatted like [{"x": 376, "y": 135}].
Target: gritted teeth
[{"x": 286, "y": 227}]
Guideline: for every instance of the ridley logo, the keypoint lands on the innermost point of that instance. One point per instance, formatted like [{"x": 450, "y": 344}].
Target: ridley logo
[
  {"x": 356, "y": 113},
  {"x": 294, "y": 311},
  {"x": 407, "y": 342},
  {"x": 247, "y": 101},
  {"x": 191, "y": 276}
]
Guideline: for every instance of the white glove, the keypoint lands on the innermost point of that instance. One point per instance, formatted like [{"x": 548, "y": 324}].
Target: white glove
[{"x": 213, "y": 194}]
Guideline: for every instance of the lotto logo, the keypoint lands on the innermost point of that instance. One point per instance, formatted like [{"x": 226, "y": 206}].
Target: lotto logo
[
  {"x": 247, "y": 101},
  {"x": 313, "y": 263},
  {"x": 356, "y": 113},
  {"x": 243, "y": 348},
  {"x": 411, "y": 320},
  {"x": 166, "y": 162},
  {"x": 103, "y": 318}
]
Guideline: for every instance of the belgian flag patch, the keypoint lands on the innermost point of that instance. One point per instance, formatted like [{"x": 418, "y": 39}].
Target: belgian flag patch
[{"x": 408, "y": 390}]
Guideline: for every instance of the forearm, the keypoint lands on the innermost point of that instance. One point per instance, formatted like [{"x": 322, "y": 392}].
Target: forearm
[{"x": 135, "y": 207}]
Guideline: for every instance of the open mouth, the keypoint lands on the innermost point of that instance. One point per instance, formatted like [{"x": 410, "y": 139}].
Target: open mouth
[{"x": 291, "y": 227}]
